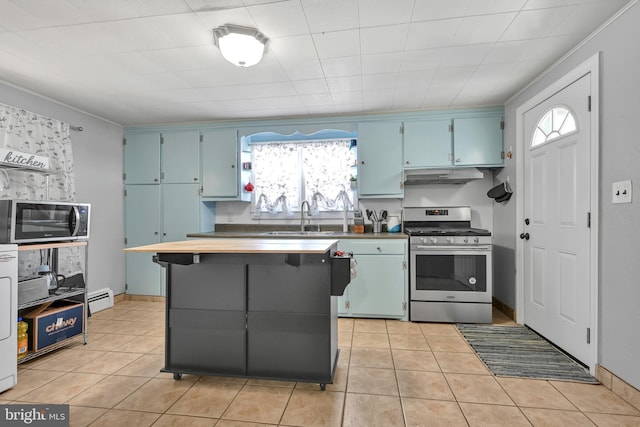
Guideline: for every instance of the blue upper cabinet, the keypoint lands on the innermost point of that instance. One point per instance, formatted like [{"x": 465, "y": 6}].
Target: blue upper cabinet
[
  {"x": 222, "y": 175},
  {"x": 220, "y": 163},
  {"x": 478, "y": 141},
  {"x": 454, "y": 141},
  {"x": 380, "y": 159},
  {"x": 180, "y": 157},
  {"x": 427, "y": 143},
  {"x": 142, "y": 158},
  {"x": 168, "y": 157}
]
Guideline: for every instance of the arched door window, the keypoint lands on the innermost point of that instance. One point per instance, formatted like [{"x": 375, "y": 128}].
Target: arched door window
[{"x": 557, "y": 122}]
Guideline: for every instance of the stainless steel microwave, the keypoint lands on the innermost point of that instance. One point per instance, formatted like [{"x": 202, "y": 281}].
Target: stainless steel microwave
[{"x": 28, "y": 221}]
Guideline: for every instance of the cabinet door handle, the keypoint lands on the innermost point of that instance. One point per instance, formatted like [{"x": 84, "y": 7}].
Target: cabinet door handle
[
  {"x": 233, "y": 166},
  {"x": 362, "y": 162},
  {"x": 458, "y": 160}
]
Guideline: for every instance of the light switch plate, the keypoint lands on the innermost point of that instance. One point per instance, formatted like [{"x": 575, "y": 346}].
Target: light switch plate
[{"x": 621, "y": 192}]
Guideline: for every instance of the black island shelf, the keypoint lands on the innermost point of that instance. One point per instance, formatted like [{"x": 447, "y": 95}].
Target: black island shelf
[{"x": 264, "y": 310}]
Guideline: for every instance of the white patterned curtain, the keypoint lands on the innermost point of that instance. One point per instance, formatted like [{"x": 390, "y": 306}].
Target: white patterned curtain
[
  {"x": 31, "y": 133},
  {"x": 318, "y": 171}
]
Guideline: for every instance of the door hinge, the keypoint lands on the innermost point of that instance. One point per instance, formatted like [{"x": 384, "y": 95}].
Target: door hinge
[
  {"x": 161, "y": 139},
  {"x": 126, "y": 287},
  {"x": 125, "y": 241},
  {"x": 124, "y": 141},
  {"x": 588, "y": 219},
  {"x": 404, "y": 306},
  {"x": 162, "y": 175},
  {"x": 588, "y": 335},
  {"x": 404, "y": 265},
  {"x": 502, "y": 155},
  {"x": 450, "y": 127},
  {"x": 201, "y": 137},
  {"x": 125, "y": 192},
  {"x": 124, "y": 176},
  {"x": 402, "y": 129},
  {"x": 589, "y": 103},
  {"x": 502, "y": 124},
  {"x": 347, "y": 305}
]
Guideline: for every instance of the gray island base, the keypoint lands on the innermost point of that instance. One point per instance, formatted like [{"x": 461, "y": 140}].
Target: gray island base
[{"x": 255, "y": 315}]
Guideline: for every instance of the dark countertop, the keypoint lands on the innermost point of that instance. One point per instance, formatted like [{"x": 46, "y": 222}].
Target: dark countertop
[
  {"x": 261, "y": 235},
  {"x": 259, "y": 231}
]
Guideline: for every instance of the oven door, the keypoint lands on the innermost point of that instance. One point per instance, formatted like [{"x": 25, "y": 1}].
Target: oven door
[{"x": 451, "y": 274}]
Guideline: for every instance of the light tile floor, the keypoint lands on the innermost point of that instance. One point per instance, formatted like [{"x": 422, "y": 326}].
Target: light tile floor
[{"x": 390, "y": 373}]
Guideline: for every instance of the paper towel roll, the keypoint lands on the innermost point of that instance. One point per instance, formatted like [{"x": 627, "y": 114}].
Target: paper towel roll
[{"x": 393, "y": 224}]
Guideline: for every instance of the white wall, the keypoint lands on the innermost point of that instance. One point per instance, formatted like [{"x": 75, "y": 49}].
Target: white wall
[
  {"x": 472, "y": 194},
  {"x": 97, "y": 155},
  {"x": 619, "y": 160}
]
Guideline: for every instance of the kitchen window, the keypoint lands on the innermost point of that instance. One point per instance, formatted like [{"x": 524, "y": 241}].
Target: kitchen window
[{"x": 285, "y": 173}]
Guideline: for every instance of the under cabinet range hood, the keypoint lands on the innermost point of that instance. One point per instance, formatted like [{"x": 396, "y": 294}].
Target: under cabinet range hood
[{"x": 441, "y": 176}]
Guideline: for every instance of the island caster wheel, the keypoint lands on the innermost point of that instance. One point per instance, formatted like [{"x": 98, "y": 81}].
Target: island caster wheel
[
  {"x": 323, "y": 387},
  {"x": 177, "y": 376}
]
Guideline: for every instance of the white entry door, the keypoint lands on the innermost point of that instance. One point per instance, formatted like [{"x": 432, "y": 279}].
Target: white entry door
[{"x": 557, "y": 184}]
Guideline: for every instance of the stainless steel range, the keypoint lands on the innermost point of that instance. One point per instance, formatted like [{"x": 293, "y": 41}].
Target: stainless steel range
[{"x": 450, "y": 265}]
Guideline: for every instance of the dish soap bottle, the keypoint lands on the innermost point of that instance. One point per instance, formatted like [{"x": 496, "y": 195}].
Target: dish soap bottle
[{"x": 23, "y": 338}]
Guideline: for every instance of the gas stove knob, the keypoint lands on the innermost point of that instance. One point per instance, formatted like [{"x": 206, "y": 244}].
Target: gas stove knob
[
  {"x": 434, "y": 240},
  {"x": 465, "y": 240},
  {"x": 476, "y": 240},
  {"x": 449, "y": 239}
]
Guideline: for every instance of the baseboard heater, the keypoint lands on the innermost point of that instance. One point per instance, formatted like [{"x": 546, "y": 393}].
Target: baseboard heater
[{"x": 100, "y": 299}]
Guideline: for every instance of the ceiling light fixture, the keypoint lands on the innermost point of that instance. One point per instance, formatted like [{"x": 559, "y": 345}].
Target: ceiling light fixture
[{"x": 242, "y": 46}]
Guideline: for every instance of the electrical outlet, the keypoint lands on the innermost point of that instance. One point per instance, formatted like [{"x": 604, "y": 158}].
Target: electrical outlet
[{"x": 621, "y": 192}]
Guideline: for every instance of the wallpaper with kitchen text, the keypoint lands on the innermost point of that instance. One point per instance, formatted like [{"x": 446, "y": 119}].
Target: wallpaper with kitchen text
[{"x": 31, "y": 133}]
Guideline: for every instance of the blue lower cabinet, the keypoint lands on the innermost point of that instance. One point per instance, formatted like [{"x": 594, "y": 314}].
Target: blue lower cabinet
[
  {"x": 154, "y": 214},
  {"x": 380, "y": 286}
]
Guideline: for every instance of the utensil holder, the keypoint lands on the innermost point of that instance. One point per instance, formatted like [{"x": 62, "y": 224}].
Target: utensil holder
[{"x": 377, "y": 226}]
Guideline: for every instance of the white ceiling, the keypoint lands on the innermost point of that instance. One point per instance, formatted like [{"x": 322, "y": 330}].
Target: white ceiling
[{"x": 154, "y": 61}]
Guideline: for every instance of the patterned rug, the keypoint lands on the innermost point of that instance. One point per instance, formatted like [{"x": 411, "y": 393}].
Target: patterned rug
[{"x": 516, "y": 351}]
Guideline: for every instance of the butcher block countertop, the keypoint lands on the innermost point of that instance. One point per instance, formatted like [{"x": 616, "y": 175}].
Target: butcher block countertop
[{"x": 240, "y": 246}]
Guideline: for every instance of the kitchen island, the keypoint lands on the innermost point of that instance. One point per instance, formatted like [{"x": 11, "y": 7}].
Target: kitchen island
[{"x": 255, "y": 308}]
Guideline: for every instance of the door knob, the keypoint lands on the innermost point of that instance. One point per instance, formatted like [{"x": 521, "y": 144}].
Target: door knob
[
  {"x": 524, "y": 236},
  {"x": 526, "y": 221}
]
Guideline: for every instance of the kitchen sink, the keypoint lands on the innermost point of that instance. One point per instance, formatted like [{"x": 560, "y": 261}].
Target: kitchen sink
[{"x": 298, "y": 233}]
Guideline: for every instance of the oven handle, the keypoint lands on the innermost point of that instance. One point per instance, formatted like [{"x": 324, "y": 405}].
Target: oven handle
[{"x": 452, "y": 248}]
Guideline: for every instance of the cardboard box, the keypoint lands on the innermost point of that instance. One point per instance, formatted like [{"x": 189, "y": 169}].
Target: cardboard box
[{"x": 49, "y": 324}]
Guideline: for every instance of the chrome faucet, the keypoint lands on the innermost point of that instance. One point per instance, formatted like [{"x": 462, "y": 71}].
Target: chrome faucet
[{"x": 304, "y": 202}]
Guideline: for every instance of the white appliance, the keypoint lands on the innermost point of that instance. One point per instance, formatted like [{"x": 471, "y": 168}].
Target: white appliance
[{"x": 8, "y": 316}]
